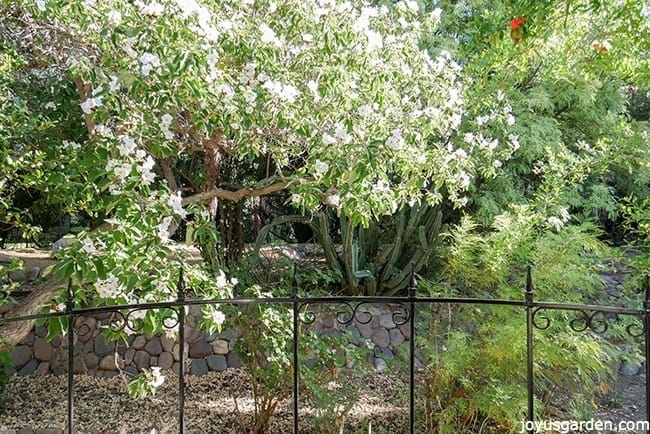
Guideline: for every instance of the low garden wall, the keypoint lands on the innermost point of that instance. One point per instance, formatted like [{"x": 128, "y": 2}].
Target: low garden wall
[{"x": 204, "y": 352}]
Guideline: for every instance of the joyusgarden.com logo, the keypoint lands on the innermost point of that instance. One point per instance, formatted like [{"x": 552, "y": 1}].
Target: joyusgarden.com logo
[{"x": 575, "y": 426}]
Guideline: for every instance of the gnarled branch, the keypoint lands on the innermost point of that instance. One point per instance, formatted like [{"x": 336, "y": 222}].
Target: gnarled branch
[{"x": 234, "y": 196}]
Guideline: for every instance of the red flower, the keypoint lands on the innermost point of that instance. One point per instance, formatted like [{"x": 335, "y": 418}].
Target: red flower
[{"x": 516, "y": 23}]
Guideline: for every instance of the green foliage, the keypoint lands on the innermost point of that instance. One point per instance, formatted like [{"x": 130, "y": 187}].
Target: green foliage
[
  {"x": 636, "y": 214},
  {"x": 146, "y": 383},
  {"x": 328, "y": 363},
  {"x": 7, "y": 286},
  {"x": 474, "y": 377},
  {"x": 5, "y": 368}
]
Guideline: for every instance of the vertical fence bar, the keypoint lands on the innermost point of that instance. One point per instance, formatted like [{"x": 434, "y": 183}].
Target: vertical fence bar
[
  {"x": 296, "y": 370},
  {"x": 180, "y": 290},
  {"x": 69, "y": 307},
  {"x": 529, "y": 349},
  {"x": 412, "y": 356},
  {"x": 646, "y": 323}
]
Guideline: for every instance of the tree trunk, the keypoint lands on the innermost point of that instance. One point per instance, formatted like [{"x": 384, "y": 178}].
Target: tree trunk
[{"x": 12, "y": 333}]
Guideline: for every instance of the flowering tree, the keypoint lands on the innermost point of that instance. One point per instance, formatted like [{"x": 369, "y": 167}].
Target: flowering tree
[{"x": 365, "y": 110}]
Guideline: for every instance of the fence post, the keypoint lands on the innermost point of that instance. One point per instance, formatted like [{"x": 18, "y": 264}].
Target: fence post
[
  {"x": 646, "y": 326},
  {"x": 69, "y": 308},
  {"x": 180, "y": 295},
  {"x": 412, "y": 290},
  {"x": 296, "y": 369},
  {"x": 529, "y": 349}
]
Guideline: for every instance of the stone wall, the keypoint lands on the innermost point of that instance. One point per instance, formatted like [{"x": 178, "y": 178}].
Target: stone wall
[{"x": 94, "y": 355}]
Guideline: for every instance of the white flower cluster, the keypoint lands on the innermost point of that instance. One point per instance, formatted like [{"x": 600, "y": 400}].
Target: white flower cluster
[
  {"x": 557, "y": 222},
  {"x": 70, "y": 145},
  {"x": 90, "y": 103},
  {"x": 396, "y": 141},
  {"x": 321, "y": 168},
  {"x": 153, "y": 8},
  {"x": 204, "y": 28},
  {"x": 148, "y": 62},
  {"x": 109, "y": 288},
  {"x": 131, "y": 157},
  {"x": 165, "y": 124},
  {"x": 127, "y": 146},
  {"x": 269, "y": 36},
  {"x": 163, "y": 230},
  {"x": 157, "y": 379},
  {"x": 285, "y": 92},
  {"x": 175, "y": 203},
  {"x": 340, "y": 136}
]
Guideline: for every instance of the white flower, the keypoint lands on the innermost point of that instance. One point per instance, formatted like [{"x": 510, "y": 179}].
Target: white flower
[
  {"x": 307, "y": 37},
  {"x": 320, "y": 167},
  {"x": 218, "y": 317},
  {"x": 328, "y": 140},
  {"x": 510, "y": 119},
  {"x": 146, "y": 175},
  {"x": 149, "y": 61},
  {"x": 88, "y": 246},
  {"x": 109, "y": 287},
  {"x": 88, "y": 105},
  {"x": 332, "y": 198},
  {"x": 222, "y": 281},
  {"x": 114, "y": 85},
  {"x": 174, "y": 202},
  {"x": 103, "y": 131},
  {"x": 555, "y": 222},
  {"x": 250, "y": 96},
  {"x": 157, "y": 379},
  {"x": 127, "y": 146},
  {"x": 122, "y": 171},
  {"x": 365, "y": 110},
  {"x": 40, "y": 4},
  {"x": 268, "y": 35},
  {"x": 436, "y": 14},
  {"x": 341, "y": 134},
  {"x": 165, "y": 123},
  {"x": 514, "y": 141},
  {"x": 153, "y": 9},
  {"x": 50, "y": 106},
  {"x": 69, "y": 144},
  {"x": 115, "y": 17},
  {"x": 163, "y": 229},
  {"x": 497, "y": 164},
  {"x": 395, "y": 141},
  {"x": 375, "y": 40},
  {"x": 227, "y": 91},
  {"x": 285, "y": 92},
  {"x": 313, "y": 87},
  {"x": 166, "y": 120},
  {"x": 289, "y": 93}
]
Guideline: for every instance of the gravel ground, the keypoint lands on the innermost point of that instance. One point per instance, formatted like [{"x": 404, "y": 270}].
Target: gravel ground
[{"x": 102, "y": 405}]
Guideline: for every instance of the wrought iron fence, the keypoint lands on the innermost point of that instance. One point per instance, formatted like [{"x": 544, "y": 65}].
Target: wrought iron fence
[{"x": 594, "y": 318}]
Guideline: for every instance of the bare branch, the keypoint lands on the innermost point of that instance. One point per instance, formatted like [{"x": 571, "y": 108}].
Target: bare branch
[{"x": 234, "y": 196}]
